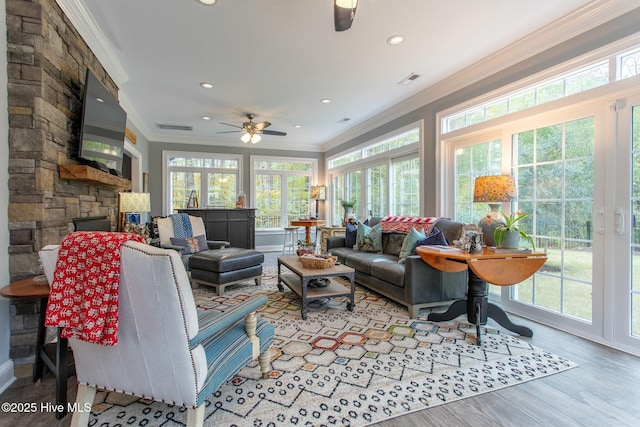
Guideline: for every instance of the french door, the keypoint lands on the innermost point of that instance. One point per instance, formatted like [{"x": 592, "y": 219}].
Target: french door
[{"x": 578, "y": 176}]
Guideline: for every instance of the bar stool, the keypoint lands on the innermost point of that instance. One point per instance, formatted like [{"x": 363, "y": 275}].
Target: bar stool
[{"x": 290, "y": 236}]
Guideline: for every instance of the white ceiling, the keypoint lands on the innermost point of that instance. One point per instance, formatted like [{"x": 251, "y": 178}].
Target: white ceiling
[{"x": 279, "y": 58}]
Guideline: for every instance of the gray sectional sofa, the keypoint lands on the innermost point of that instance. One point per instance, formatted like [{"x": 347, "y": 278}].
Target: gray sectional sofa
[{"x": 413, "y": 284}]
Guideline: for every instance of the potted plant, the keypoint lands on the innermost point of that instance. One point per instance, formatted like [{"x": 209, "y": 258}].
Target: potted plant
[
  {"x": 508, "y": 235},
  {"x": 305, "y": 247},
  {"x": 347, "y": 205}
]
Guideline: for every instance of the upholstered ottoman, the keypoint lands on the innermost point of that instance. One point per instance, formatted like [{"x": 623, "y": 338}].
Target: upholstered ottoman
[{"x": 223, "y": 267}]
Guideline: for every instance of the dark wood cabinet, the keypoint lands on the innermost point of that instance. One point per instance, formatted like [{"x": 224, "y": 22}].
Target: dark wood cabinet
[{"x": 236, "y": 226}]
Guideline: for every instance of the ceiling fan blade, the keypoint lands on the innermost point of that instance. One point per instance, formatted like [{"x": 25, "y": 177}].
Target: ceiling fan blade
[
  {"x": 229, "y": 124},
  {"x": 343, "y": 15},
  {"x": 273, "y": 132},
  {"x": 230, "y": 131},
  {"x": 260, "y": 126}
]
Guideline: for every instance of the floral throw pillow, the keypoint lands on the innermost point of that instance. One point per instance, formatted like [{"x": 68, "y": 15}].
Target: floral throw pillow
[
  {"x": 191, "y": 245},
  {"x": 369, "y": 239}
]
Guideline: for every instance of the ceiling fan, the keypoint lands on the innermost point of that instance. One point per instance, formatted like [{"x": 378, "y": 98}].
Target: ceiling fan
[
  {"x": 343, "y": 13},
  {"x": 251, "y": 131}
]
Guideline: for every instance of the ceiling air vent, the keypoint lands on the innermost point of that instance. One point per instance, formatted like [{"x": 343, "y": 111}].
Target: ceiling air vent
[
  {"x": 175, "y": 127},
  {"x": 344, "y": 120},
  {"x": 409, "y": 79}
]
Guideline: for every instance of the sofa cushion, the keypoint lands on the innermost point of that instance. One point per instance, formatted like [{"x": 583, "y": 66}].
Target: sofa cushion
[
  {"x": 369, "y": 239},
  {"x": 409, "y": 244},
  {"x": 191, "y": 245},
  {"x": 362, "y": 261},
  {"x": 392, "y": 243},
  {"x": 389, "y": 270}
]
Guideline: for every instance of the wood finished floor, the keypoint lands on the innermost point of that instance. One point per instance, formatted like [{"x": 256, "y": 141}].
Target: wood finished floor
[{"x": 603, "y": 391}]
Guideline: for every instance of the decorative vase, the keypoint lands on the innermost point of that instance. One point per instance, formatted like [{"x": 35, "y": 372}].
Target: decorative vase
[
  {"x": 348, "y": 213},
  {"x": 511, "y": 240},
  {"x": 489, "y": 222}
]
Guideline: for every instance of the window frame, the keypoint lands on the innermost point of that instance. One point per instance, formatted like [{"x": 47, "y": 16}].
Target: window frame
[
  {"x": 252, "y": 182},
  {"x": 166, "y": 171}
]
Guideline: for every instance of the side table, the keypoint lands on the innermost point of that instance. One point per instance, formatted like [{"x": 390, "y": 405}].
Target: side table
[
  {"x": 57, "y": 356},
  {"x": 501, "y": 269}
]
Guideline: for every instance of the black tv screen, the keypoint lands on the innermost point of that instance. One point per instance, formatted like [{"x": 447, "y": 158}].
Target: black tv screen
[{"x": 103, "y": 126}]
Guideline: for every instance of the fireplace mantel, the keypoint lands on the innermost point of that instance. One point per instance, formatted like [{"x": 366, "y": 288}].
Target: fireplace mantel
[{"x": 93, "y": 176}]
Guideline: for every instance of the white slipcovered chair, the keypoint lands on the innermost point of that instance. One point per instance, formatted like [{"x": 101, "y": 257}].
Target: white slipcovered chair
[{"x": 167, "y": 350}]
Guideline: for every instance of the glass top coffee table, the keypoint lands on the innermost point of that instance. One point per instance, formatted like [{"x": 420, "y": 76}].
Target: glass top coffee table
[{"x": 300, "y": 277}]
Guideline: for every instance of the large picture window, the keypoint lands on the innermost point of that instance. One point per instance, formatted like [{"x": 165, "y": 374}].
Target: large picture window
[{"x": 382, "y": 177}]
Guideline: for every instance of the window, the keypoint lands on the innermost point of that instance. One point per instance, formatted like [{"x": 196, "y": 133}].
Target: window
[
  {"x": 282, "y": 190},
  {"x": 214, "y": 175},
  {"x": 625, "y": 64},
  {"x": 382, "y": 177}
]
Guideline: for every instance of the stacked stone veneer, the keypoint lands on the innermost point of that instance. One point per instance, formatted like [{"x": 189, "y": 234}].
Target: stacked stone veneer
[{"x": 47, "y": 61}]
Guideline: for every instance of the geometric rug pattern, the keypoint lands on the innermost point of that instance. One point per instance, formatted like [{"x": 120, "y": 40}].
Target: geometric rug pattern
[{"x": 343, "y": 368}]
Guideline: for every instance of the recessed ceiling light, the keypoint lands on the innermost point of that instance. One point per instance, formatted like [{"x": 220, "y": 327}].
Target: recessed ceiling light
[
  {"x": 206, "y": 85},
  {"x": 99, "y": 99},
  {"x": 297, "y": 126},
  {"x": 206, "y": 118},
  {"x": 208, "y": 2},
  {"x": 325, "y": 101},
  {"x": 395, "y": 40}
]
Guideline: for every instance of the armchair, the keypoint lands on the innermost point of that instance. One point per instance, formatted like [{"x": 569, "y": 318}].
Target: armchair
[{"x": 167, "y": 350}]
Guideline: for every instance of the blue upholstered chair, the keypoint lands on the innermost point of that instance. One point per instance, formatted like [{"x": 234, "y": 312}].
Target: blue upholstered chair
[{"x": 167, "y": 350}]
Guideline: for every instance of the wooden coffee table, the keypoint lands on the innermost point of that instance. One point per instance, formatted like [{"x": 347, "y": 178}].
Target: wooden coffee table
[{"x": 300, "y": 276}]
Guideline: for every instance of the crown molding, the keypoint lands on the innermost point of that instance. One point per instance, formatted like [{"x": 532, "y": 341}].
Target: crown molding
[
  {"x": 581, "y": 20},
  {"x": 95, "y": 38}
]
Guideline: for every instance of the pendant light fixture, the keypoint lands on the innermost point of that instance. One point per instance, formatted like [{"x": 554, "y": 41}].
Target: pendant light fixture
[{"x": 343, "y": 13}]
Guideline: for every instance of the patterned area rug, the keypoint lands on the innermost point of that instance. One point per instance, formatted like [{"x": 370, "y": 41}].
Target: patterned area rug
[{"x": 342, "y": 368}]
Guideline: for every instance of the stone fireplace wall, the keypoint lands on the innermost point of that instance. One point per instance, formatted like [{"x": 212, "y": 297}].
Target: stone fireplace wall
[{"x": 47, "y": 61}]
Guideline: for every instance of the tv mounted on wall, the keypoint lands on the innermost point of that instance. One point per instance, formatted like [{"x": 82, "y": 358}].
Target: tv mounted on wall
[{"x": 102, "y": 128}]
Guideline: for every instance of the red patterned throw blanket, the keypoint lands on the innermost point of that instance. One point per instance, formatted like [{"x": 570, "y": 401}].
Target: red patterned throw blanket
[
  {"x": 84, "y": 293},
  {"x": 403, "y": 224}
]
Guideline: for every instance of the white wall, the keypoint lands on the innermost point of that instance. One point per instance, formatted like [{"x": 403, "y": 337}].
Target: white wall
[{"x": 6, "y": 364}]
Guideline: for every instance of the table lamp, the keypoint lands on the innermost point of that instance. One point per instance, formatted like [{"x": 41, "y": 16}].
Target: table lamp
[
  {"x": 318, "y": 192},
  {"x": 493, "y": 189},
  {"x": 132, "y": 203}
]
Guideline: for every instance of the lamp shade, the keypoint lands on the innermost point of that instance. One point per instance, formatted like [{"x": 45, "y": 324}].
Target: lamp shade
[
  {"x": 319, "y": 192},
  {"x": 494, "y": 188},
  {"x": 135, "y": 202}
]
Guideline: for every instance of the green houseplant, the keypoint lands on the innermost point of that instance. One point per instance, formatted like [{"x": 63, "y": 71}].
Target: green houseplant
[
  {"x": 347, "y": 205},
  {"x": 511, "y": 226}
]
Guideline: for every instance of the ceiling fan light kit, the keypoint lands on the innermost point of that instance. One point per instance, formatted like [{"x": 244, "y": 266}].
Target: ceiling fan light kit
[
  {"x": 343, "y": 13},
  {"x": 251, "y": 131}
]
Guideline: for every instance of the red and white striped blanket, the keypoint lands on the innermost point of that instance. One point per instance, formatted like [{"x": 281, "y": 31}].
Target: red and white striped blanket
[
  {"x": 403, "y": 224},
  {"x": 84, "y": 293}
]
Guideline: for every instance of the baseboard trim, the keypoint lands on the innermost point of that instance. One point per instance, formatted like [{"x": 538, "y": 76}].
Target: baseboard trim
[{"x": 6, "y": 375}]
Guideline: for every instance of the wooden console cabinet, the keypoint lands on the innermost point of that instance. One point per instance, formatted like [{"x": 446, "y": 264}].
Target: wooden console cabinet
[{"x": 236, "y": 226}]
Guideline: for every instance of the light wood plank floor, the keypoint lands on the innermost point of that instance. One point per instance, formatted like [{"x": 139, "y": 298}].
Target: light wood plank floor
[{"x": 604, "y": 391}]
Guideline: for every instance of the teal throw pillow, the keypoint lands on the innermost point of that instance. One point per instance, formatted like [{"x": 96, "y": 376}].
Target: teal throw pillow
[
  {"x": 369, "y": 239},
  {"x": 409, "y": 244}
]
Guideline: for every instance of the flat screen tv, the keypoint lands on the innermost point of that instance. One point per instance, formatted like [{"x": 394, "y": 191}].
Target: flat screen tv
[{"x": 102, "y": 128}]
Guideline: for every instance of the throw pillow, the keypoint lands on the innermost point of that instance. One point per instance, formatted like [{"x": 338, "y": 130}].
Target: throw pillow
[
  {"x": 369, "y": 239},
  {"x": 436, "y": 237},
  {"x": 409, "y": 244},
  {"x": 191, "y": 245},
  {"x": 350, "y": 235}
]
